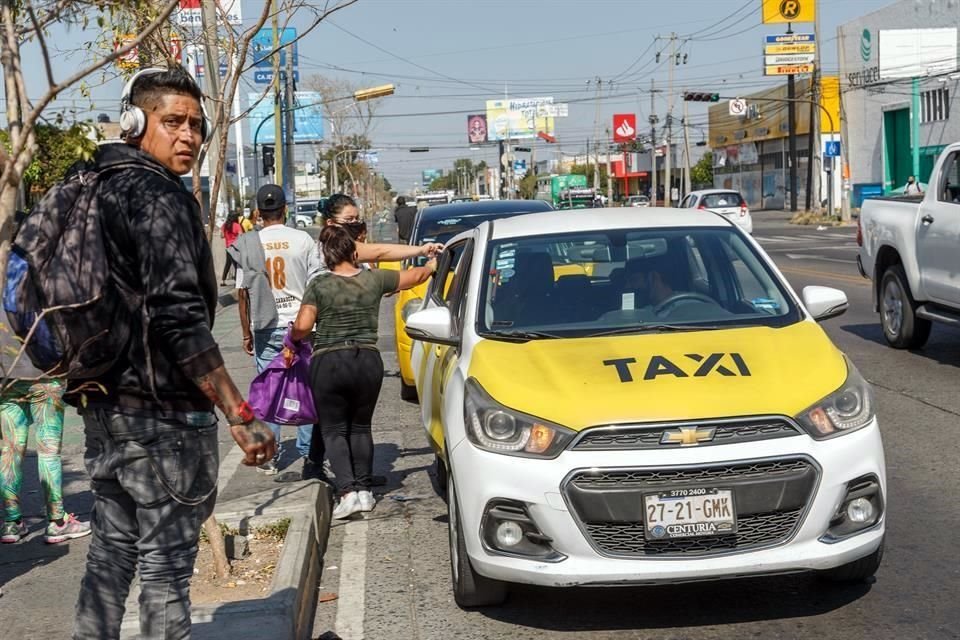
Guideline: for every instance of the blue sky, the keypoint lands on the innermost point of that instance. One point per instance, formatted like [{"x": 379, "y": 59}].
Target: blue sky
[{"x": 452, "y": 55}]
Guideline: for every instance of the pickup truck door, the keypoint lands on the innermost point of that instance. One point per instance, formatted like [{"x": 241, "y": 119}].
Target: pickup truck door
[{"x": 938, "y": 235}]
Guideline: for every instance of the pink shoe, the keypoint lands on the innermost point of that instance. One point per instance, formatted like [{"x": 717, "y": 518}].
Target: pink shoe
[{"x": 70, "y": 529}]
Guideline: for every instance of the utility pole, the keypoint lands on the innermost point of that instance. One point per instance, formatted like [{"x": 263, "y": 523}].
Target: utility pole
[
  {"x": 686, "y": 151},
  {"x": 290, "y": 174},
  {"x": 278, "y": 153},
  {"x": 817, "y": 121},
  {"x": 609, "y": 171},
  {"x": 208, "y": 17},
  {"x": 668, "y": 178},
  {"x": 792, "y": 139},
  {"x": 653, "y": 144},
  {"x": 596, "y": 140},
  {"x": 844, "y": 138}
]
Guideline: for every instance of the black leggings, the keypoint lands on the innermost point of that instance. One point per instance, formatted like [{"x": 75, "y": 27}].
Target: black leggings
[
  {"x": 229, "y": 262},
  {"x": 346, "y": 385}
]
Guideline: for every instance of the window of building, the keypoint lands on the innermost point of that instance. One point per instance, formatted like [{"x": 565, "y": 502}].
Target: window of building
[{"x": 934, "y": 105}]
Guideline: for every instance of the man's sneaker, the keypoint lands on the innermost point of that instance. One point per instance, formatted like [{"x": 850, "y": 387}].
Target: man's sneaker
[
  {"x": 367, "y": 501},
  {"x": 13, "y": 532},
  {"x": 70, "y": 529},
  {"x": 269, "y": 467},
  {"x": 312, "y": 470},
  {"x": 348, "y": 505}
]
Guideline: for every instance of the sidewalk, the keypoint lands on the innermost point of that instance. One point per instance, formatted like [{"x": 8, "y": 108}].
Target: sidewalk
[{"x": 41, "y": 582}]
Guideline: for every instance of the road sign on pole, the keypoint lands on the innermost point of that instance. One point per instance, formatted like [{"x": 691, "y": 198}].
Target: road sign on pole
[
  {"x": 831, "y": 149},
  {"x": 738, "y": 107}
]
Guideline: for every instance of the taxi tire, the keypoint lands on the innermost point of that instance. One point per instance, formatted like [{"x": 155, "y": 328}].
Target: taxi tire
[
  {"x": 914, "y": 331},
  {"x": 408, "y": 392},
  {"x": 470, "y": 589},
  {"x": 857, "y": 571},
  {"x": 438, "y": 477}
]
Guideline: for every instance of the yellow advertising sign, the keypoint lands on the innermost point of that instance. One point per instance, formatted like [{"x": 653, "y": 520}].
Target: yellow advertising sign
[
  {"x": 781, "y": 49},
  {"x": 786, "y": 70},
  {"x": 519, "y": 118},
  {"x": 788, "y": 11}
]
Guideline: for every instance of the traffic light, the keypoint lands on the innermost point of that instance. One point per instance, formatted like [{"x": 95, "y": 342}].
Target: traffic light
[
  {"x": 267, "y": 159},
  {"x": 694, "y": 96}
]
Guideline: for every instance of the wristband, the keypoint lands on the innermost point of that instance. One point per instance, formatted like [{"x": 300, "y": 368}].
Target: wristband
[{"x": 244, "y": 415}]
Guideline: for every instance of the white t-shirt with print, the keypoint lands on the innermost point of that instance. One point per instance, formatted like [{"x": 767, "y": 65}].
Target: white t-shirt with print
[{"x": 292, "y": 261}]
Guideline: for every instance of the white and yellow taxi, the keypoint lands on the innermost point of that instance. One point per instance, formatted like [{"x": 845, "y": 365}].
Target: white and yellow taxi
[{"x": 673, "y": 413}]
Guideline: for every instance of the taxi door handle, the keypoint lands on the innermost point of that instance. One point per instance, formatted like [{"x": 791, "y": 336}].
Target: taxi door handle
[{"x": 927, "y": 219}]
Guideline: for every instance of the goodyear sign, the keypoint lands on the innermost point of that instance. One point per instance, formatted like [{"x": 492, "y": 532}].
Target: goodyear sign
[
  {"x": 789, "y": 54},
  {"x": 775, "y": 11}
]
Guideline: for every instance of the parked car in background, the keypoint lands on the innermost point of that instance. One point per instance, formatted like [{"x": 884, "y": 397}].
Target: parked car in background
[
  {"x": 908, "y": 246},
  {"x": 306, "y": 213},
  {"x": 727, "y": 203},
  {"x": 637, "y": 201}
]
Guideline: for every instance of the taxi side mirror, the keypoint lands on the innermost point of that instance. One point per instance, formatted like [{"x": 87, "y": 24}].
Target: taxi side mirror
[
  {"x": 824, "y": 302},
  {"x": 434, "y": 325}
]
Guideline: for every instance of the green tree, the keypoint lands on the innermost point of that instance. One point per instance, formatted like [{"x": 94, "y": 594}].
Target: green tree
[
  {"x": 701, "y": 175},
  {"x": 57, "y": 149},
  {"x": 443, "y": 183},
  {"x": 528, "y": 186},
  {"x": 587, "y": 170}
]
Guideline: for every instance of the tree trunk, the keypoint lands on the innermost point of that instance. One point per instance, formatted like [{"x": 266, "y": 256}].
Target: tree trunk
[{"x": 219, "y": 551}]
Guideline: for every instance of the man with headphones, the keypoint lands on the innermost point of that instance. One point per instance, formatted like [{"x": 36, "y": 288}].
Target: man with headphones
[{"x": 151, "y": 431}]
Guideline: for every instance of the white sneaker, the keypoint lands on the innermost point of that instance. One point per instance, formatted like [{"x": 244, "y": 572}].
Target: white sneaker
[
  {"x": 367, "y": 501},
  {"x": 348, "y": 505}
]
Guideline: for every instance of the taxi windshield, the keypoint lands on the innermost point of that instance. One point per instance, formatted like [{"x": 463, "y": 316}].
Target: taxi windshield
[{"x": 624, "y": 281}]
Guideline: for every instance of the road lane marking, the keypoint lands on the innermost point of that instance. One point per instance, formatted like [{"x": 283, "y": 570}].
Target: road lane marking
[
  {"x": 353, "y": 579},
  {"x": 801, "y": 256},
  {"x": 825, "y": 274}
]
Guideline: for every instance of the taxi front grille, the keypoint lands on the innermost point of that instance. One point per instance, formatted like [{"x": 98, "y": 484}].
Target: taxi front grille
[
  {"x": 651, "y": 437},
  {"x": 770, "y": 497},
  {"x": 758, "y": 530}
]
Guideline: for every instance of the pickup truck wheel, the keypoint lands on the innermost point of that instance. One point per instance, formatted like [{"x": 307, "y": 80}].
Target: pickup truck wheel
[
  {"x": 470, "y": 589},
  {"x": 856, "y": 571},
  {"x": 901, "y": 326}
]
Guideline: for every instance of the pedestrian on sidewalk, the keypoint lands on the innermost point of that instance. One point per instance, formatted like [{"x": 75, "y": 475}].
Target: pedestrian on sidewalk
[
  {"x": 28, "y": 398},
  {"x": 277, "y": 262},
  {"x": 151, "y": 431},
  {"x": 230, "y": 231},
  {"x": 342, "y": 310},
  {"x": 912, "y": 188}
]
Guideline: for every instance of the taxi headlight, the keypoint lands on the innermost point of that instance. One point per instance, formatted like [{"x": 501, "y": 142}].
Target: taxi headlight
[
  {"x": 409, "y": 307},
  {"x": 493, "y": 427},
  {"x": 847, "y": 409}
]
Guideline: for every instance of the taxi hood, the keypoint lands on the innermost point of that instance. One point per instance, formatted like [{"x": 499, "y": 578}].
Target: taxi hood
[{"x": 584, "y": 382}]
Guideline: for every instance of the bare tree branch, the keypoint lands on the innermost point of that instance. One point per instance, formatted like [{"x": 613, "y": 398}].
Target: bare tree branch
[{"x": 43, "y": 45}]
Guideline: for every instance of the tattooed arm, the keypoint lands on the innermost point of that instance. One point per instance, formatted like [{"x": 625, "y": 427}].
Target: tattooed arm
[{"x": 254, "y": 437}]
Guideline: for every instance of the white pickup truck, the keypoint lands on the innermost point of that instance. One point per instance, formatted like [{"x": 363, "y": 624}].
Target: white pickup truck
[{"x": 910, "y": 248}]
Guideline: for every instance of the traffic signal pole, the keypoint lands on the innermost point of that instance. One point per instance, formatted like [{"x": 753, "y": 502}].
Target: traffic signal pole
[
  {"x": 653, "y": 145},
  {"x": 792, "y": 140}
]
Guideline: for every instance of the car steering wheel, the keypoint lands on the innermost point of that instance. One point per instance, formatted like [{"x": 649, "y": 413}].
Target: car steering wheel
[{"x": 679, "y": 297}]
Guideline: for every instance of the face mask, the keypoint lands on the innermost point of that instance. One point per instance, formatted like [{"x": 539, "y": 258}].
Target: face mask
[{"x": 355, "y": 228}]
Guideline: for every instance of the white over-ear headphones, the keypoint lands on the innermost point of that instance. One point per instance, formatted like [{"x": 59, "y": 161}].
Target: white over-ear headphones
[{"x": 133, "y": 121}]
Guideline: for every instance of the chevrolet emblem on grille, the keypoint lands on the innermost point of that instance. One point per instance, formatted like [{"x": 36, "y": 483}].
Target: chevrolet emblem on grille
[{"x": 688, "y": 436}]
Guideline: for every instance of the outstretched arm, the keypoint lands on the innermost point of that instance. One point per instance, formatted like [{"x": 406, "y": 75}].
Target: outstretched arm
[{"x": 375, "y": 252}]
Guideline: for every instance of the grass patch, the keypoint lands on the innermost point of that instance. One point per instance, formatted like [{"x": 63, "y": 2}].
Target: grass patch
[
  {"x": 273, "y": 531},
  {"x": 808, "y": 218}
]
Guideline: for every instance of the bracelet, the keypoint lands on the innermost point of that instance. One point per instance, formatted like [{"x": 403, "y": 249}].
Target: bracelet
[
  {"x": 245, "y": 415},
  {"x": 248, "y": 337}
]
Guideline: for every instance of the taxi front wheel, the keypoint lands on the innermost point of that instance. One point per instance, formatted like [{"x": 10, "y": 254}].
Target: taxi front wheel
[
  {"x": 408, "y": 392},
  {"x": 856, "y": 571},
  {"x": 470, "y": 589}
]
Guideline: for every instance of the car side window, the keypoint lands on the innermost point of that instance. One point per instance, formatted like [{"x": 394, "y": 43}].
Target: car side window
[
  {"x": 687, "y": 202},
  {"x": 949, "y": 191}
]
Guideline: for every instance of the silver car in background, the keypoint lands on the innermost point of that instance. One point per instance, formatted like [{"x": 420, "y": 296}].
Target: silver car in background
[{"x": 730, "y": 204}]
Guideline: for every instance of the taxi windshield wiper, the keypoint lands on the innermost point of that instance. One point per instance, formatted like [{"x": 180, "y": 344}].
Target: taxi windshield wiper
[
  {"x": 653, "y": 327},
  {"x": 519, "y": 335}
]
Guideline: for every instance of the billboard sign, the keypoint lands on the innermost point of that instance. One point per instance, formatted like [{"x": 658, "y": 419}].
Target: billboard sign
[
  {"x": 307, "y": 120},
  {"x": 519, "y": 118},
  {"x": 262, "y": 46},
  {"x": 789, "y": 54},
  {"x": 775, "y": 11},
  {"x": 624, "y": 127},
  {"x": 477, "y": 128},
  {"x": 188, "y": 14},
  {"x": 910, "y": 53},
  {"x": 429, "y": 175}
]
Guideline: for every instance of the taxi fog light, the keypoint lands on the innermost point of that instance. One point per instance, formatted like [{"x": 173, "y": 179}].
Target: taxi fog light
[
  {"x": 509, "y": 534},
  {"x": 859, "y": 510}
]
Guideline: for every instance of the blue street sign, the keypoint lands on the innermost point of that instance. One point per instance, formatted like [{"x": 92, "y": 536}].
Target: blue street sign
[
  {"x": 831, "y": 149},
  {"x": 791, "y": 38},
  {"x": 262, "y": 46},
  {"x": 266, "y": 77}
]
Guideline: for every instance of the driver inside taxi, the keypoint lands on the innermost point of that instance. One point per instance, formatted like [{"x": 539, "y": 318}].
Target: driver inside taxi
[{"x": 651, "y": 280}]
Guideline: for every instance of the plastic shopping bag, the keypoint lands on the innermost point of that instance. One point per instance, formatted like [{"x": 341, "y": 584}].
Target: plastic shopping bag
[{"x": 283, "y": 395}]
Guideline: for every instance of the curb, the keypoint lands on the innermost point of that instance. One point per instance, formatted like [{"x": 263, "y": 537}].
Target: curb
[{"x": 288, "y": 612}]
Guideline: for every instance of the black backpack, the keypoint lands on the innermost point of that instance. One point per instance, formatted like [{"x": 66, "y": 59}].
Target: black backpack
[{"x": 61, "y": 299}]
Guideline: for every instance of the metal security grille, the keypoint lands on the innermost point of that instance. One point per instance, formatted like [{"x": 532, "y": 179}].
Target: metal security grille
[
  {"x": 646, "y": 437},
  {"x": 654, "y": 478}
]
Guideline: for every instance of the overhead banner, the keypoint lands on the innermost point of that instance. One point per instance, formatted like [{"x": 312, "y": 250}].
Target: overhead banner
[
  {"x": 477, "y": 128},
  {"x": 778, "y": 11},
  {"x": 519, "y": 118},
  {"x": 307, "y": 119},
  {"x": 188, "y": 14}
]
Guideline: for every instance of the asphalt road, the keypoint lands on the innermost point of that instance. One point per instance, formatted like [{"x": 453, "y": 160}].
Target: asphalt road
[{"x": 391, "y": 570}]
